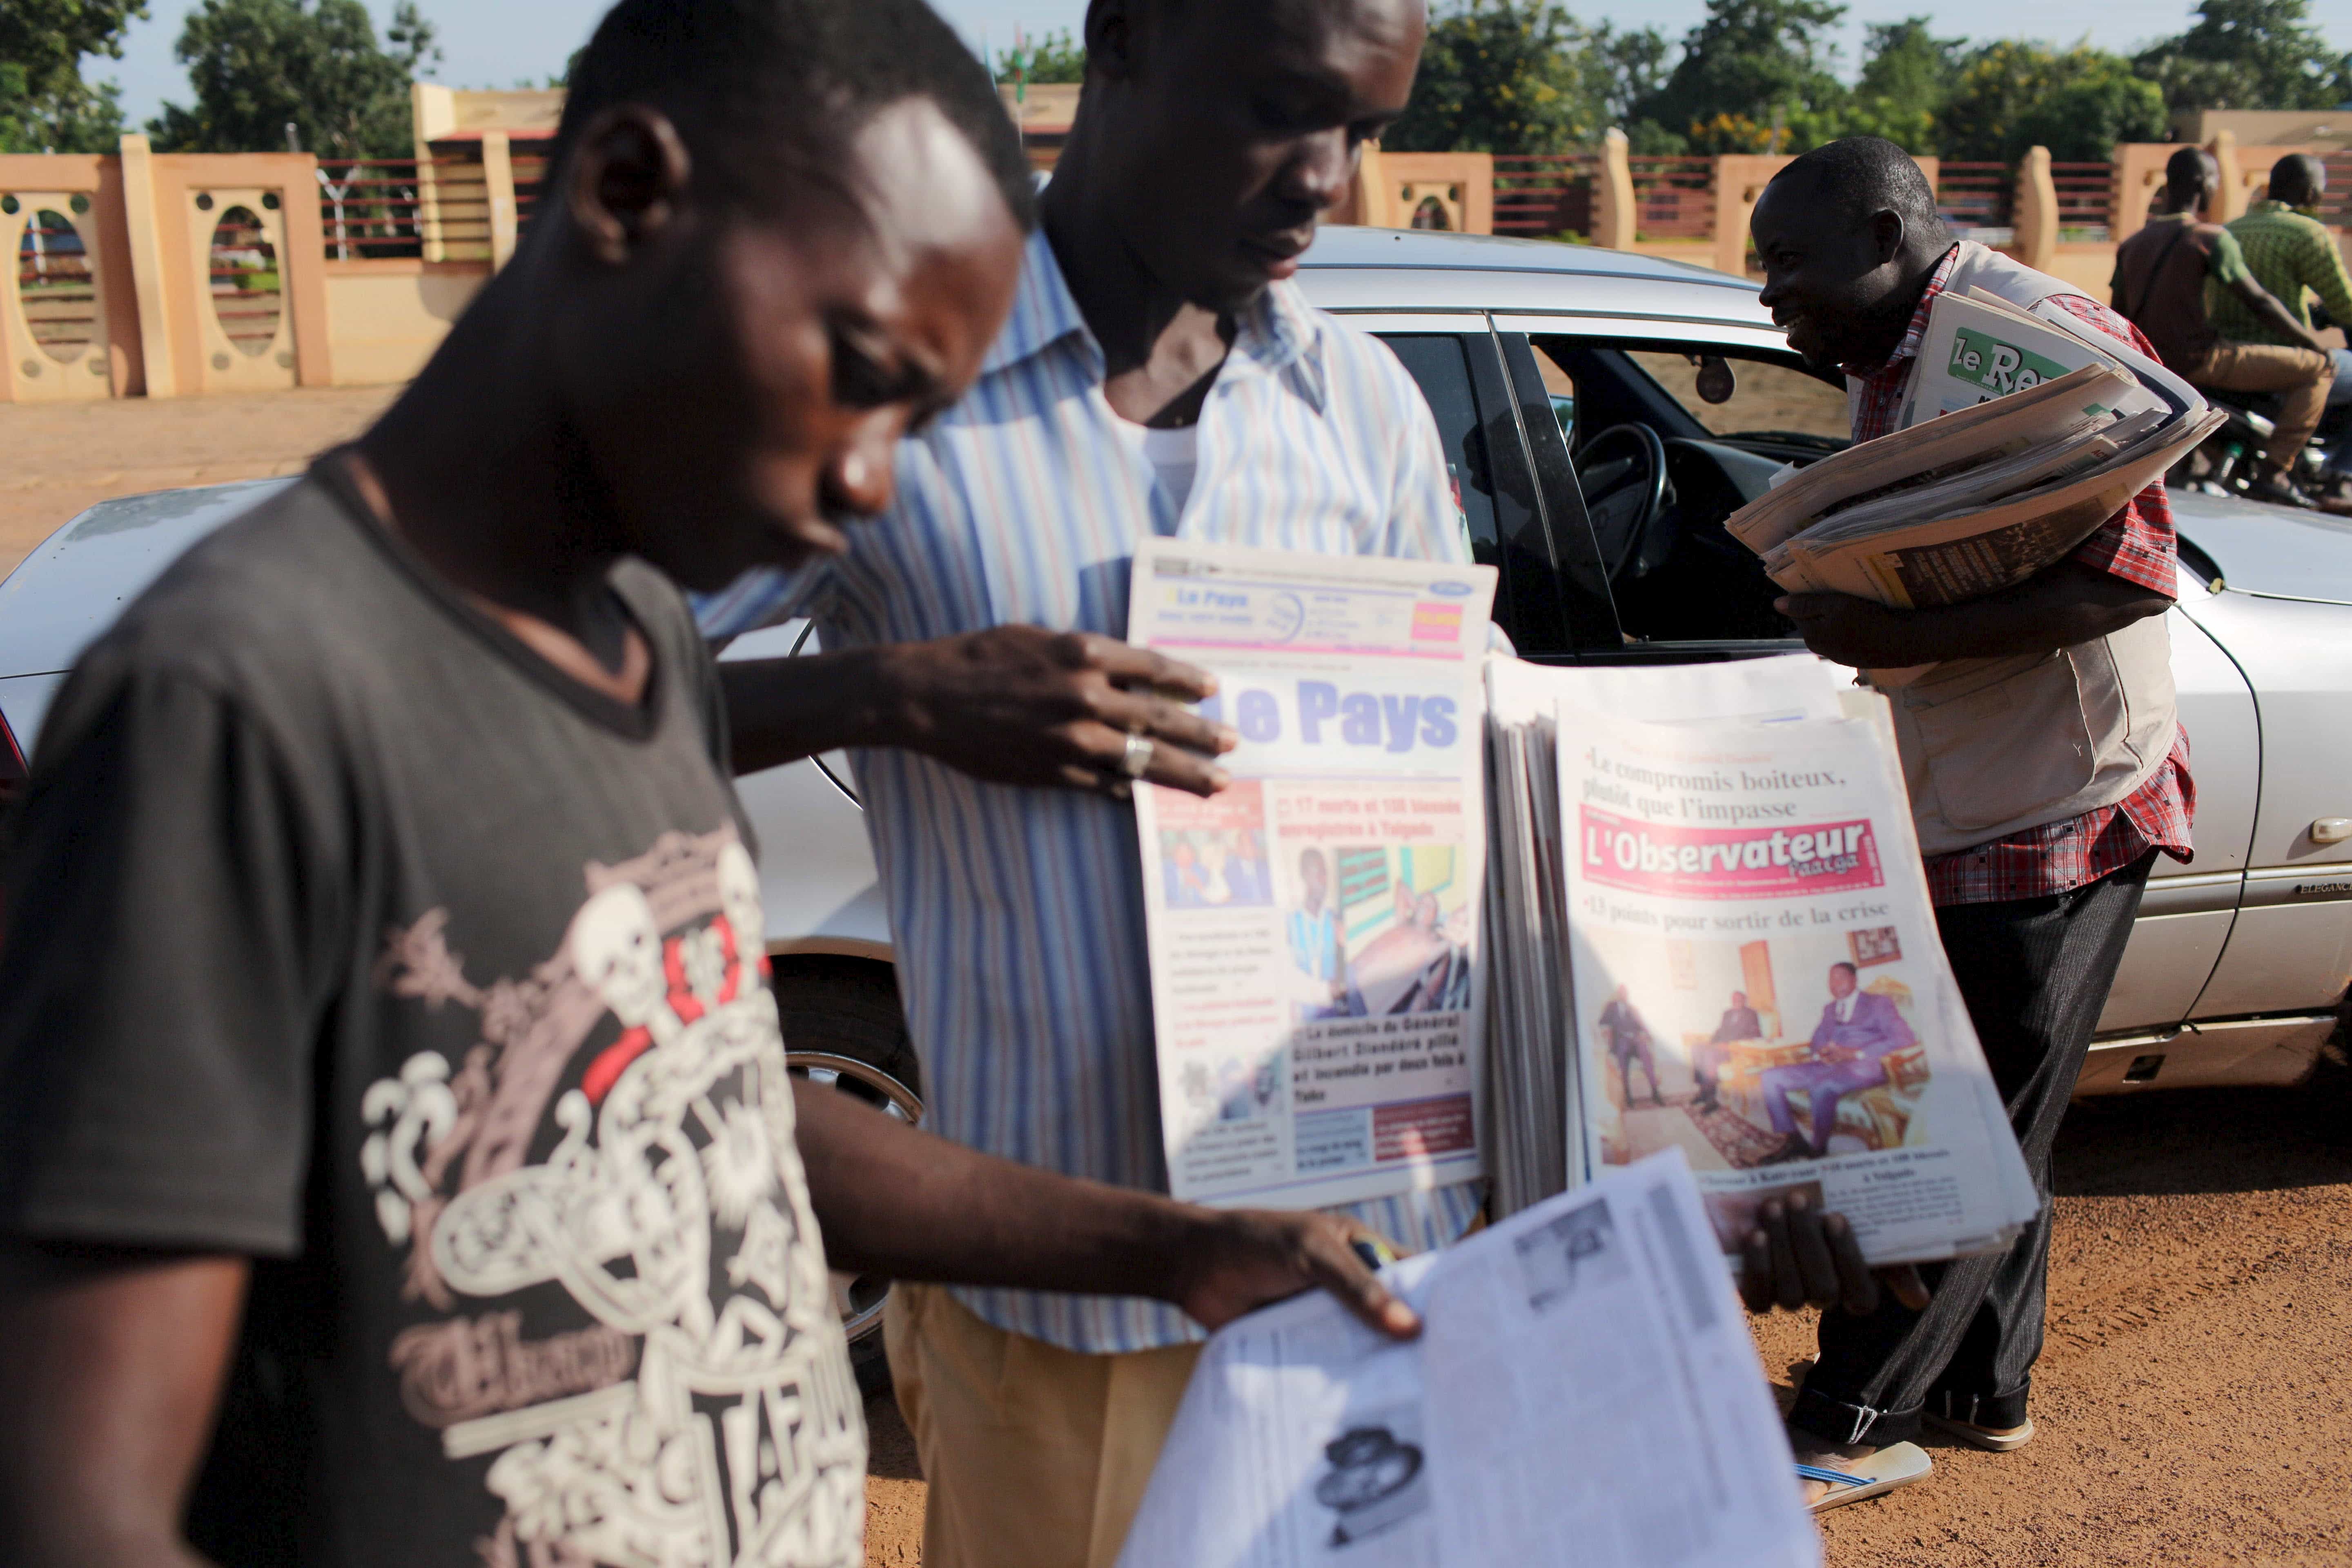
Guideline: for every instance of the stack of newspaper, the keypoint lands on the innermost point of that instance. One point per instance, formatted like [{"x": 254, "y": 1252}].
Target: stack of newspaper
[
  {"x": 1711, "y": 931},
  {"x": 2019, "y": 439}
]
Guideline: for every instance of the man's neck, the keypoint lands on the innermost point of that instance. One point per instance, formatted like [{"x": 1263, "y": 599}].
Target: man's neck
[
  {"x": 1902, "y": 304},
  {"x": 478, "y": 471},
  {"x": 1161, "y": 351}
]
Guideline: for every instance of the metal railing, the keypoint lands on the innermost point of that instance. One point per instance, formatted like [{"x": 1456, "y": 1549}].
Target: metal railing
[
  {"x": 2086, "y": 199},
  {"x": 1545, "y": 193},
  {"x": 56, "y": 286},
  {"x": 1674, "y": 197},
  {"x": 1974, "y": 194},
  {"x": 247, "y": 288}
]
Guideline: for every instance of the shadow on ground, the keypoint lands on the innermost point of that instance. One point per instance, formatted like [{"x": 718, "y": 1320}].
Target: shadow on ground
[{"x": 2213, "y": 1140}]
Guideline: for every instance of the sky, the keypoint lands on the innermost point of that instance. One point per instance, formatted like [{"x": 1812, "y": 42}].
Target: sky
[{"x": 501, "y": 43}]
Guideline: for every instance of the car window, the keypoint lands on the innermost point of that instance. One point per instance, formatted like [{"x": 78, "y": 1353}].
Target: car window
[
  {"x": 1441, "y": 364},
  {"x": 1765, "y": 398}
]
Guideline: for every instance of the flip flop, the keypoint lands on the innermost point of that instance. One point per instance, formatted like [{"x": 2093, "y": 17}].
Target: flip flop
[
  {"x": 1993, "y": 1439},
  {"x": 1896, "y": 1465}
]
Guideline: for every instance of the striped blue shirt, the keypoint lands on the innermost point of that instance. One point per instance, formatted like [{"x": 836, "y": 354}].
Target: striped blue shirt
[{"x": 1018, "y": 914}]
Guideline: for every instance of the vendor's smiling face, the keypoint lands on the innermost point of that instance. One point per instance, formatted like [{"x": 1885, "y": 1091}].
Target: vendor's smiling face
[{"x": 1831, "y": 278}]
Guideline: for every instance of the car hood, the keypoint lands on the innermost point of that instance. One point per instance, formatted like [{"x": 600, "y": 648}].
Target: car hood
[
  {"x": 73, "y": 586},
  {"x": 2271, "y": 551}
]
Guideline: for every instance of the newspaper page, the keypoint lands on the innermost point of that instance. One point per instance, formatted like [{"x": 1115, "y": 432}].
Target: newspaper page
[
  {"x": 1759, "y": 982},
  {"x": 1314, "y": 929},
  {"x": 1979, "y": 347},
  {"x": 1584, "y": 1393}
]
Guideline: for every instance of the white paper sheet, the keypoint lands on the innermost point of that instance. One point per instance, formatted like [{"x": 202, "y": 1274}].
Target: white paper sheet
[{"x": 1584, "y": 1393}]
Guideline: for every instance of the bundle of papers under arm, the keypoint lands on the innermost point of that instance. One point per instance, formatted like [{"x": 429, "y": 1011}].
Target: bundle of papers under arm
[{"x": 2021, "y": 439}]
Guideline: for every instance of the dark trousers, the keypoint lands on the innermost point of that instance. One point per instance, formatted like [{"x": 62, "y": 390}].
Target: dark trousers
[{"x": 2034, "y": 974}]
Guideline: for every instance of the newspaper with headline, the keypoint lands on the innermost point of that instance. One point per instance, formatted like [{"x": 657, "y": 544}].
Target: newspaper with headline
[
  {"x": 1584, "y": 1393},
  {"x": 1314, "y": 929},
  {"x": 1750, "y": 966}
]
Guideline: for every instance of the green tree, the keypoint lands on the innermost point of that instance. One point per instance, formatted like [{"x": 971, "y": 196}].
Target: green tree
[
  {"x": 1908, "y": 76},
  {"x": 2249, "y": 54},
  {"x": 44, "y": 105},
  {"x": 1754, "y": 75},
  {"x": 1524, "y": 76},
  {"x": 2077, "y": 103},
  {"x": 1497, "y": 76},
  {"x": 258, "y": 66},
  {"x": 1056, "y": 57}
]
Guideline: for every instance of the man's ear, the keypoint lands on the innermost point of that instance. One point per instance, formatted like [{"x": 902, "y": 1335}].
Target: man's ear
[
  {"x": 1887, "y": 231},
  {"x": 628, "y": 180},
  {"x": 1110, "y": 38}
]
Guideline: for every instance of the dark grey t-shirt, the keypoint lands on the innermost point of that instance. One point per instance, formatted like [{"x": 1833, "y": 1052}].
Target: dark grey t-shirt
[{"x": 344, "y": 931}]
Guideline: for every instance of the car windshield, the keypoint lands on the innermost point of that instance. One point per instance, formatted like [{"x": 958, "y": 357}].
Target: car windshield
[{"x": 1766, "y": 399}]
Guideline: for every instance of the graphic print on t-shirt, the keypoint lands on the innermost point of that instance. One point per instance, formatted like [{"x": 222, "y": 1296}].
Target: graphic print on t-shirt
[{"x": 604, "y": 1204}]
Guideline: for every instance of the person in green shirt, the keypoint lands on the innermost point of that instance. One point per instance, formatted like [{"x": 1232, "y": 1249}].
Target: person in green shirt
[
  {"x": 2288, "y": 250},
  {"x": 2168, "y": 276}
]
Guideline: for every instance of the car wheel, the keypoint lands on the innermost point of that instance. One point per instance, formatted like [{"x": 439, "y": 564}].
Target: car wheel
[{"x": 844, "y": 1030}]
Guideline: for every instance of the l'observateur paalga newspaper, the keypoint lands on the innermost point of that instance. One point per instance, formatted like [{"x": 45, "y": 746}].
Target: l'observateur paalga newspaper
[
  {"x": 1314, "y": 929},
  {"x": 1757, "y": 980}
]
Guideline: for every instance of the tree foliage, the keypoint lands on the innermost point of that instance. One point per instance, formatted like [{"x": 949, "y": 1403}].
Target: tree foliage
[
  {"x": 1908, "y": 76},
  {"x": 1524, "y": 76},
  {"x": 2249, "y": 54},
  {"x": 1053, "y": 58},
  {"x": 258, "y": 66},
  {"x": 44, "y": 105},
  {"x": 1754, "y": 74},
  {"x": 2077, "y": 103}
]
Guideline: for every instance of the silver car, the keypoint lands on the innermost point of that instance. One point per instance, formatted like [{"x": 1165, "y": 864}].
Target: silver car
[{"x": 1602, "y": 413}]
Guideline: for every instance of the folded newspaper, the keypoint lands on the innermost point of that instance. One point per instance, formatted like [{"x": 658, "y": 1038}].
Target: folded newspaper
[
  {"x": 1711, "y": 931},
  {"x": 1584, "y": 1392},
  {"x": 2019, "y": 439},
  {"x": 1314, "y": 935}
]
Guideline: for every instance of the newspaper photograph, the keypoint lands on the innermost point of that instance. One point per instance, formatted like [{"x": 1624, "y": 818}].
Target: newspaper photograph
[
  {"x": 1314, "y": 929},
  {"x": 1584, "y": 1392},
  {"x": 1759, "y": 983}
]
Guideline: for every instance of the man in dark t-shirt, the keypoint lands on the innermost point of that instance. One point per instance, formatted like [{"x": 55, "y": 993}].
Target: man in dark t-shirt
[
  {"x": 2159, "y": 286},
  {"x": 386, "y": 1057}
]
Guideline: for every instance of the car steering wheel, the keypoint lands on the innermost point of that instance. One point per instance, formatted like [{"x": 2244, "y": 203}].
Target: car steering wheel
[{"x": 1622, "y": 473}]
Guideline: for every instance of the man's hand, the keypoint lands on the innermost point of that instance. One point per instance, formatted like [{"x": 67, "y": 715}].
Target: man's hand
[
  {"x": 1837, "y": 1053},
  {"x": 1017, "y": 705},
  {"x": 1848, "y": 630},
  {"x": 1245, "y": 1259},
  {"x": 1021, "y": 705},
  {"x": 2064, "y": 603},
  {"x": 1799, "y": 1257}
]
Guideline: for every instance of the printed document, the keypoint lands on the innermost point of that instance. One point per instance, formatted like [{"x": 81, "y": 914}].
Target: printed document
[
  {"x": 1314, "y": 929},
  {"x": 1584, "y": 1393}
]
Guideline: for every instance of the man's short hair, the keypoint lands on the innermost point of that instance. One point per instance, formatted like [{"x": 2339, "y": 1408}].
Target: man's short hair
[
  {"x": 2292, "y": 180},
  {"x": 1860, "y": 175},
  {"x": 2188, "y": 168},
  {"x": 769, "y": 94},
  {"x": 1849, "y": 968}
]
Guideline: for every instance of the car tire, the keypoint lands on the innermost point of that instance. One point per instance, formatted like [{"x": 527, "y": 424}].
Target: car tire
[{"x": 843, "y": 1027}]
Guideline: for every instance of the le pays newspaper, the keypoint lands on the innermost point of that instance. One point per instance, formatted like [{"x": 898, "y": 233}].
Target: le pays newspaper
[{"x": 1314, "y": 932}]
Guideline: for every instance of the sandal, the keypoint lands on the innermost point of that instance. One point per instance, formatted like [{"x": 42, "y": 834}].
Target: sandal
[{"x": 1896, "y": 1465}]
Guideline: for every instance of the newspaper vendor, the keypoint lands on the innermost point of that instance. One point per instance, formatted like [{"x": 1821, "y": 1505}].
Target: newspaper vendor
[{"x": 2040, "y": 833}]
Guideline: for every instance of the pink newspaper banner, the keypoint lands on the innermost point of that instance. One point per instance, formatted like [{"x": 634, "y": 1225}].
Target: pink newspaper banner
[{"x": 1727, "y": 862}]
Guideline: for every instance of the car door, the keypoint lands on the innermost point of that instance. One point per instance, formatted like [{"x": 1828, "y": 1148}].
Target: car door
[{"x": 1704, "y": 597}]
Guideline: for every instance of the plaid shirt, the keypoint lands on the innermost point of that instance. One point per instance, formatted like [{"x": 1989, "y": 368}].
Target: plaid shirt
[
  {"x": 2136, "y": 545},
  {"x": 2288, "y": 253}
]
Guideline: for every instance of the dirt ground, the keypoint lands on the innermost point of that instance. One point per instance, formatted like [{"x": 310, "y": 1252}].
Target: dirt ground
[
  {"x": 57, "y": 457},
  {"x": 2195, "y": 1399}
]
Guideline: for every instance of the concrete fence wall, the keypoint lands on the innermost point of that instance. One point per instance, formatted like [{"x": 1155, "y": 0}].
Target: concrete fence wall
[
  {"x": 158, "y": 275},
  {"x": 146, "y": 274}
]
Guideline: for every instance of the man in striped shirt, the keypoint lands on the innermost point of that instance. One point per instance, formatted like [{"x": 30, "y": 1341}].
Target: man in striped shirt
[
  {"x": 2034, "y": 916},
  {"x": 1160, "y": 374}
]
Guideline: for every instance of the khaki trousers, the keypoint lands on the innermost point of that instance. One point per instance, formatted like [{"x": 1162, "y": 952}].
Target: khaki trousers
[
  {"x": 1036, "y": 1456},
  {"x": 2304, "y": 376}
]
